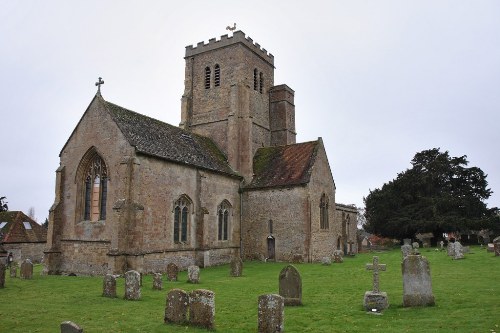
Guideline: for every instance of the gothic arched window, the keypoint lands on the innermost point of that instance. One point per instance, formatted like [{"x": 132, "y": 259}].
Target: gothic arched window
[
  {"x": 93, "y": 177},
  {"x": 217, "y": 75},
  {"x": 208, "y": 73},
  {"x": 323, "y": 212},
  {"x": 181, "y": 219},
  {"x": 223, "y": 219}
]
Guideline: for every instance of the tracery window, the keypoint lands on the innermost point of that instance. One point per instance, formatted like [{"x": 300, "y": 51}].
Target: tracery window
[
  {"x": 181, "y": 219},
  {"x": 208, "y": 74},
  {"x": 217, "y": 75},
  {"x": 223, "y": 219},
  {"x": 95, "y": 186},
  {"x": 323, "y": 212}
]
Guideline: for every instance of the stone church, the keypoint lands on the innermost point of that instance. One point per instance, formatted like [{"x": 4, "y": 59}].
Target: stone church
[{"x": 133, "y": 192}]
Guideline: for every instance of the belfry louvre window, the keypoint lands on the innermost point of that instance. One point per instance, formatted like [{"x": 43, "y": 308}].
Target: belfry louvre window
[
  {"x": 208, "y": 74},
  {"x": 181, "y": 219},
  {"x": 223, "y": 219},
  {"x": 261, "y": 82},
  {"x": 323, "y": 212},
  {"x": 255, "y": 73},
  {"x": 217, "y": 75},
  {"x": 94, "y": 190}
]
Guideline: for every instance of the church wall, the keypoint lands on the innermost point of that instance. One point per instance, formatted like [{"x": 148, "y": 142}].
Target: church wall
[
  {"x": 288, "y": 210},
  {"x": 323, "y": 241},
  {"x": 346, "y": 217}
]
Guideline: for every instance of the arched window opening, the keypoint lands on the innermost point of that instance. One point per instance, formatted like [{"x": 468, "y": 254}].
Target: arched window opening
[
  {"x": 95, "y": 189},
  {"x": 217, "y": 75},
  {"x": 255, "y": 79},
  {"x": 208, "y": 73},
  {"x": 323, "y": 212},
  {"x": 261, "y": 82},
  {"x": 223, "y": 219},
  {"x": 181, "y": 222}
]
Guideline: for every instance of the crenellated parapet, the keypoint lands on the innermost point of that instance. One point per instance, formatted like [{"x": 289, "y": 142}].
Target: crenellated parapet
[{"x": 225, "y": 40}]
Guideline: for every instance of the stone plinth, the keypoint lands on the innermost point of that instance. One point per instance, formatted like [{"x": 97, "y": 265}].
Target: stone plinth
[{"x": 375, "y": 301}]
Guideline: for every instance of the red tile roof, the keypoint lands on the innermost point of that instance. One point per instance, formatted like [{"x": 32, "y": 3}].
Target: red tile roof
[{"x": 14, "y": 230}]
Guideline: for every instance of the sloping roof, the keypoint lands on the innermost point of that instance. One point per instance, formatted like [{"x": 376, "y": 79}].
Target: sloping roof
[
  {"x": 155, "y": 138},
  {"x": 20, "y": 228},
  {"x": 282, "y": 166}
]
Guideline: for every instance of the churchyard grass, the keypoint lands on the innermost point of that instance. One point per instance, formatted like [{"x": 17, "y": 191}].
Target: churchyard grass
[{"x": 466, "y": 293}]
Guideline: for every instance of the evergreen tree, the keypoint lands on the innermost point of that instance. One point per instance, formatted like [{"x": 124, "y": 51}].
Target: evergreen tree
[{"x": 3, "y": 204}]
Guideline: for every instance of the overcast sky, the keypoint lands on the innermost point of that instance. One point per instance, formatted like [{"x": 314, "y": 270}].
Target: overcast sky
[{"x": 377, "y": 80}]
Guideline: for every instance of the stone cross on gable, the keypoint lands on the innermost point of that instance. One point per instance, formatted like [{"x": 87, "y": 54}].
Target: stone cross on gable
[
  {"x": 98, "y": 84},
  {"x": 375, "y": 267}
]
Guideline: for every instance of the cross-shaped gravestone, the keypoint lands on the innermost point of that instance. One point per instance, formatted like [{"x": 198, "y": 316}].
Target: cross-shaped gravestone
[
  {"x": 98, "y": 84},
  {"x": 375, "y": 267}
]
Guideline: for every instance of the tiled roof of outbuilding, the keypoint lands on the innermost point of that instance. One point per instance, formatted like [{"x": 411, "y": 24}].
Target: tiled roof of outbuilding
[
  {"x": 280, "y": 166},
  {"x": 155, "y": 138},
  {"x": 14, "y": 230}
]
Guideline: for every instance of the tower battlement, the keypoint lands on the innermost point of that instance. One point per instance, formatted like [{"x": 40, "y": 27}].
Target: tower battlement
[{"x": 225, "y": 40}]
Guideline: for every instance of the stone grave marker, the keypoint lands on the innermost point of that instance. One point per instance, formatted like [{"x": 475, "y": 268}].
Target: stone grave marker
[
  {"x": 406, "y": 250},
  {"x": 271, "y": 313},
  {"x": 375, "y": 301},
  {"x": 326, "y": 261},
  {"x": 172, "y": 272},
  {"x": 27, "y": 269},
  {"x": 236, "y": 266},
  {"x": 490, "y": 247},
  {"x": 109, "y": 286},
  {"x": 451, "y": 249},
  {"x": 70, "y": 327},
  {"x": 202, "y": 308},
  {"x": 496, "y": 246},
  {"x": 157, "y": 281},
  {"x": 290, "y": 285},
  {"x": 13, "y": 270},
  {"x": 441, "y": 245},
  {"x": 176, "y": 310},
  {"x": 338, "y": 256},
  {"x": 417, "y": 286},
  {"x": 3, "y": 269},
  {"x": 193, "y": 274},
  {"x": 458, "y": 251},
  {"x": 132, "y": 285},
  {"x": 407, "y": 241}
]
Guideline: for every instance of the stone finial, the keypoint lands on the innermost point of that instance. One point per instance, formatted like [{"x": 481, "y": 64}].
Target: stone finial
[{"x": 98, "y": 85}]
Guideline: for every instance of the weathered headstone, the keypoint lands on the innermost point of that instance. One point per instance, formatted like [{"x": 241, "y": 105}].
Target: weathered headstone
[
  {"x": 290, "y": 285},
  {"x": 157, "y": 281},
  {"x": 271, "y": 313},
  {"x": 176, "y": 310},
  {"x": 27, "y": 269},
  {"x": 202, "y": 308},
  {"x": 338, "y": 256},
  {"x": 458, "y": 251},
  {"x": 407, "y": 241},
  {"x": 326, "y": 261},
  {"x": 451, "y": 249},
  {"x": 496, "y": 246},
  {"x": 441, "y": 244},
  {"x": 3, "y": 268},
  {"x": 415, "y": 245},
  {"x": 109, "y": 286},
  {"x": 375, "y": 300},
  {"x": 132, "y": 285},
  {"x": 236, "y": 266},
  {"x": 417, "y": 287},
  {"x": 406, "y": 250},
  {"x": 490, "y": 247},
  {"x": 70, "y": 327},
  {"x": 13, "y": 270},
  {"x": 172, "y": 272},
  {"x": 193, "y": 274}
]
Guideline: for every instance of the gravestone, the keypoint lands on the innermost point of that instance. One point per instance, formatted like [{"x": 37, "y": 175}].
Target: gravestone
[
  {"x": 172, "y": 272},
  {"x": 13, "y": 270},
  {"x": 271, "y": 313},
  {"x": 407, "y": 241},
  {"x": 202, "y": 308},
  {"x": 441, "y": 245},
  {"x": 109, "y": 286},
  {"x": 193, "y": 274},
  {"x": 496, "y": 246},
  {"x": 375, "y": 300},
  {"x": 406, "y": 250},
  {"x": 157, "y": 281},
  {"x": 417, "y": 287},
  {"x": 451, "y": 249},
  {"x": 490, "y": 247},
  {"x": 27, "y": 269},
  {"x": 458, "y": 251},
  {"x": 176, "y": 310},
  {"x": 236, "y": 266},
  {"x": 132, "y": 285},
  {"x": 338, "y": 256},
  {"x": 290, "y": 285},
  {"x": 326, "y": 261},
  {"x": 70, "y": 327},
  {"x": 415, "y": 245},
  {"x": 3, "y": 269}
]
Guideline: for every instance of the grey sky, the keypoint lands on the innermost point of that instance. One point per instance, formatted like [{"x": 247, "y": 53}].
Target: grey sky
[{"x": 377, "y": 80}]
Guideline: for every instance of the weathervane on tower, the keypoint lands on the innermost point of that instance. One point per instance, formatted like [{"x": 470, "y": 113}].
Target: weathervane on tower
[{"x": 98, "y": 84}]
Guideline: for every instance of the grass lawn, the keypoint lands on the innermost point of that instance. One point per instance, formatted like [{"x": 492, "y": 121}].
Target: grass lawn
[{"x": 467, "y": 294}]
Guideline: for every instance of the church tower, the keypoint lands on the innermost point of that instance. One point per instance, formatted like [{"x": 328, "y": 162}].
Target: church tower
[{"x": 227, "y": 97}]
